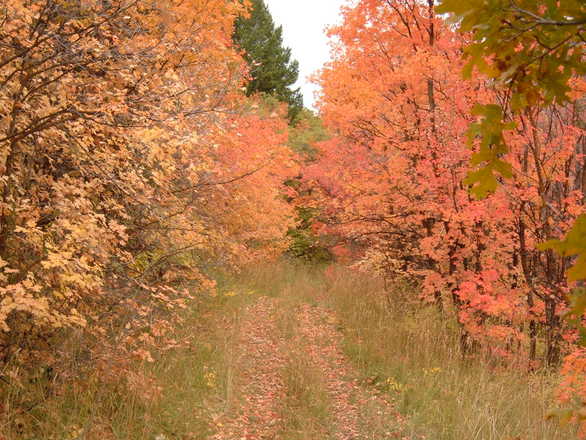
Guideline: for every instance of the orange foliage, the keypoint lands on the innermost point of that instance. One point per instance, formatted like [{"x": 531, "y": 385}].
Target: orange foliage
[
  {"x": 130, "y": 164},
  {"x": 392, "y": 180}
]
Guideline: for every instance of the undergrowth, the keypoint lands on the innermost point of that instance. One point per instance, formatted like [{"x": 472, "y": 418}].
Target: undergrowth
[
  {"x": 396, "y": 344},
  {"x": 176, "y": 396}
]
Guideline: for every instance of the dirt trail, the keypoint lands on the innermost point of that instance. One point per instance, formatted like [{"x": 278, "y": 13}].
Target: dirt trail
[
  {"x": 258, "y": 381},
  {"x": 355, "y": 412}
]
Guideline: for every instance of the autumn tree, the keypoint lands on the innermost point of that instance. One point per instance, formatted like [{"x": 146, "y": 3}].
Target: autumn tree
[
  {"x": 307, "y": 243},
  {"x": 119, "y": 131},
  {"x": 534, "y": 52},
  {"x": 394, "y": 179}
]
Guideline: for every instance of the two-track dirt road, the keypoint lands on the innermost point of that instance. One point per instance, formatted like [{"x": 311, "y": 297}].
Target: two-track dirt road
[{"x": 276, "y": 341}]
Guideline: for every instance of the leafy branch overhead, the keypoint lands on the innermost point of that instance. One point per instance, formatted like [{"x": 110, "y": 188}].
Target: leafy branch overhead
[{"x": 531, "y": 50}]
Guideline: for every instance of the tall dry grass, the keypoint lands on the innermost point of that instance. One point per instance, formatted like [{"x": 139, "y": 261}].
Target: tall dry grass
[
  {"x": 395, "y": 344},
  {"x": 407, "y": 350},
  {"x": 177, "y": 396}
]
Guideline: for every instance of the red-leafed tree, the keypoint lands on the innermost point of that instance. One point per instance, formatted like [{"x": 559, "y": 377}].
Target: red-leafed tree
[{"x": 394, "y": 179}]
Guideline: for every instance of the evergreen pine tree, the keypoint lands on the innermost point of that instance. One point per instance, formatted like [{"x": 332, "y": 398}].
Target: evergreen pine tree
[{"x": 271, "y": 67}]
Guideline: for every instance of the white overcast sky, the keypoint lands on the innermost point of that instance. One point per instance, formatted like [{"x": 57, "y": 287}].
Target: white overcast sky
[{"x": 304, "y": 23}]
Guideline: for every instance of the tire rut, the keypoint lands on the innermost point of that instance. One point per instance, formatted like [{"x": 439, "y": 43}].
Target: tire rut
[
  {"x": 358, "y": 413},
  {"x": 259, "y": 382}
]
